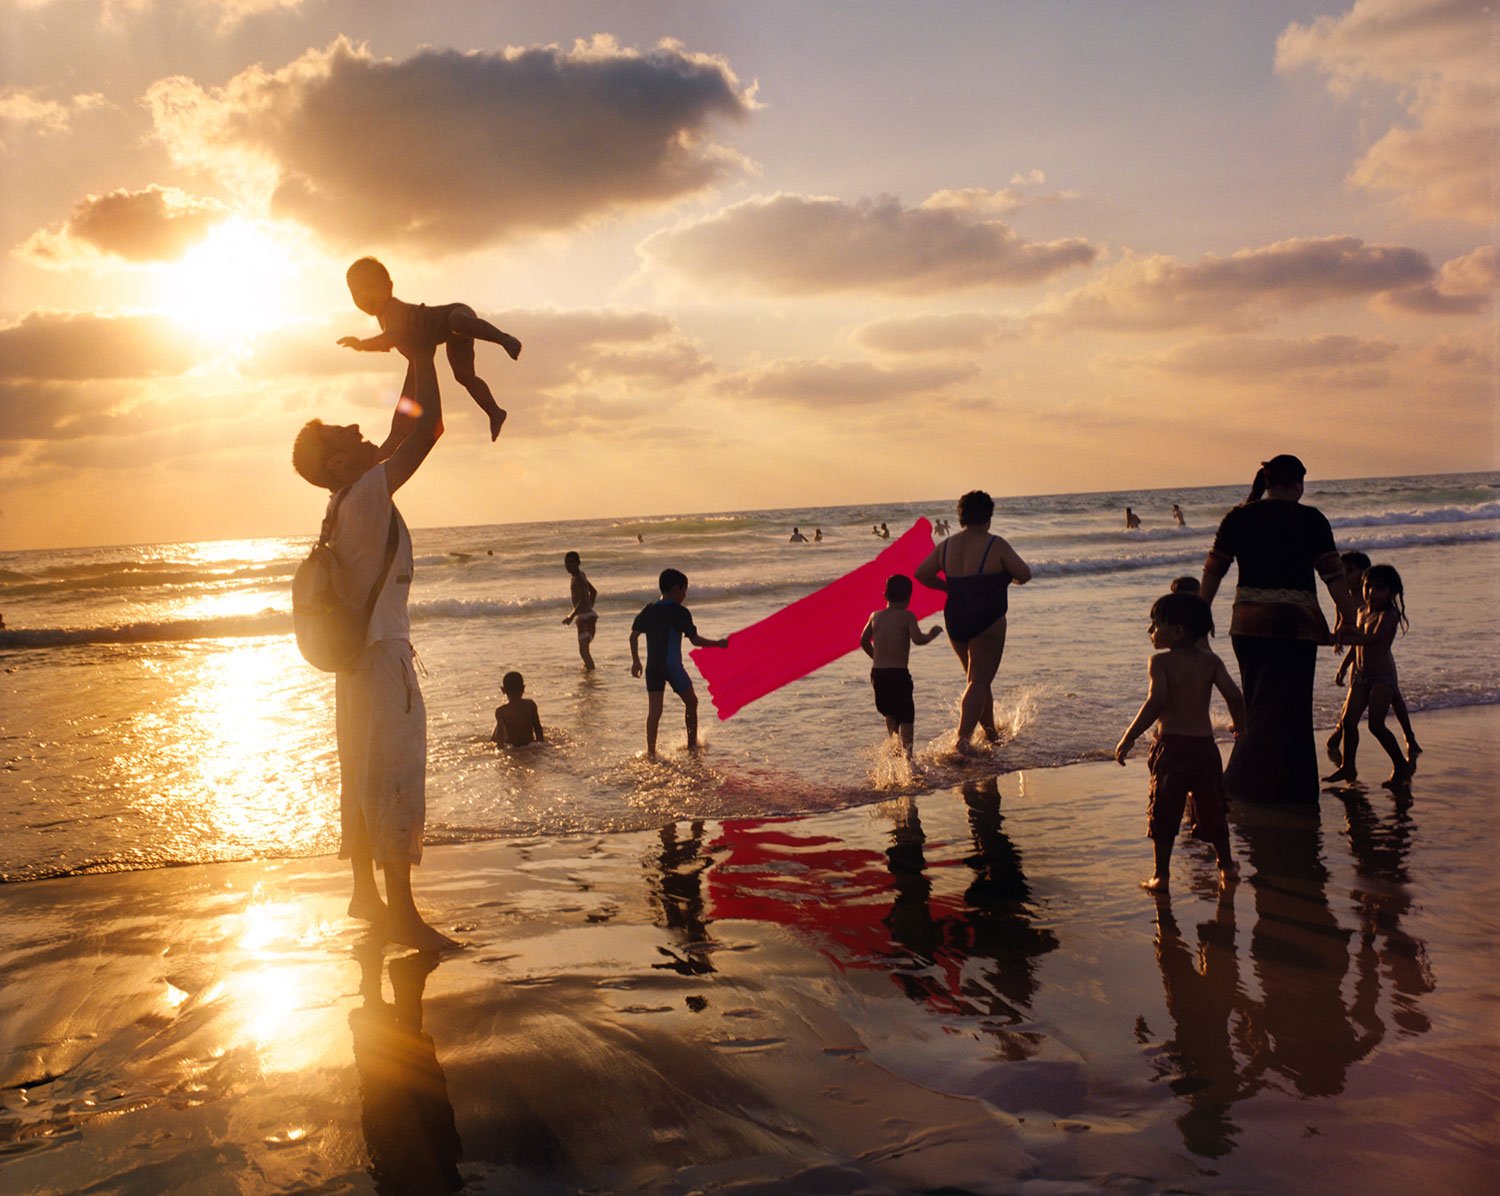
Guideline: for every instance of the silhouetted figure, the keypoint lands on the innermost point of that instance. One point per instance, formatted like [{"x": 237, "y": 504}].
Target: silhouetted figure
[
  {"x": 404, "y": 1108},
  {"x": 1132, "y": 521},
  {"x": 677, "y": 891}
]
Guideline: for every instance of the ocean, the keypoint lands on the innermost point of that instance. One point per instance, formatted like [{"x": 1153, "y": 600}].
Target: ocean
[{"x": 156, "y": 712}]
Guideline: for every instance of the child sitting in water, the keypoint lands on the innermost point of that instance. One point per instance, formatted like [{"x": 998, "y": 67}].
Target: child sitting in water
[
  {"x": 664, "y": 623},
  {"x": 517, "y": 723},
  {"x": 1184, "y": 759},
  {"x": 408, "y": 326},
  {"x": 1373, "y": 684},
  {"x": 887, "y": 640},
  {"x": 1355, "y": 564}
]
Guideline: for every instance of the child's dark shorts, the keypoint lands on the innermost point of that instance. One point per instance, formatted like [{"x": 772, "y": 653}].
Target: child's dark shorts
[
  {"x": 1182, "y": 765},
  {"x": 893, "y": 694}
]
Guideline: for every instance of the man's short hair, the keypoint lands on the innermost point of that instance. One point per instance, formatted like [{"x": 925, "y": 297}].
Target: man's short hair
[
  {"x": 309, "y": 454},
  {"x": 1354, "y": 560},
  {"x": 1187, "y": 611},
  {"x": 368, "y": 270},
  {"x": 670, "y": 579},
  {"x": 974, "y": 508},
  {"x": 898, "y": 588}
]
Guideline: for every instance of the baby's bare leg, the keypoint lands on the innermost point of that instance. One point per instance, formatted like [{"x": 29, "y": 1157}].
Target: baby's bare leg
[
  {"x": 466, "y": 323},
  {"x": 461, "y": 358}
]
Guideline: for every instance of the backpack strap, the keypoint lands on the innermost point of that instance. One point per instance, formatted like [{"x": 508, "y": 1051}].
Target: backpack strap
[{"x": 392, "y": 540}]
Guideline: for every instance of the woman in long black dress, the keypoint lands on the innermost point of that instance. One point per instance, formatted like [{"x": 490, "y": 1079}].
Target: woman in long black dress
[{"x": 1276, "y": 628}]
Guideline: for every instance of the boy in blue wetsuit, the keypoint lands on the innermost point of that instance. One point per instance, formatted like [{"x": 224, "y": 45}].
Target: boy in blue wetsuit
[{"x": 664, "y": 623}]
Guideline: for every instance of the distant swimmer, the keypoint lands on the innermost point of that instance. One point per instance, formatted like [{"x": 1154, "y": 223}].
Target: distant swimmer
[
  {"x": 1177, "y": 516},
  {"x": 1132, "y": 521},
  {"x": 817, "y": 535},
  {"x": 885, "y": 532},
  {"x": 583, "y": 615},
  {"x": 797, "y": 537},
  {"x": 639, "y": 539}
]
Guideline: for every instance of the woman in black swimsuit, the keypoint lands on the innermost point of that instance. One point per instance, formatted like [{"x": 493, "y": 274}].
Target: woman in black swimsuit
[{"x": 975, "y": 568}]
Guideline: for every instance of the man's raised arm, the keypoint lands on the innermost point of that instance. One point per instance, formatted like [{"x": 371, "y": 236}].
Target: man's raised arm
[{"x": 426, "y": 427}]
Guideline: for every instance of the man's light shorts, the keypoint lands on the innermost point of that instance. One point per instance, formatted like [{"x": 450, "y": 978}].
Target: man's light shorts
[{"x": 382, "y": 739}]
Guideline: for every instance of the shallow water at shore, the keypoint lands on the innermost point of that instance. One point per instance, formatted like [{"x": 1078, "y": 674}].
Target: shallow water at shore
[{"x": 959, "y": 989}]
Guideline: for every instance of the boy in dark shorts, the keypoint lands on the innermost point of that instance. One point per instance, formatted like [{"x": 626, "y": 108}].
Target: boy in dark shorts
[
  {"x": 664, "y": 623},
  {"x": 517, "y": 723},
  {"x": 405, "y": 326},
  {"x": 887, "y": 641},
  {"x": 1184, "y": 759}
]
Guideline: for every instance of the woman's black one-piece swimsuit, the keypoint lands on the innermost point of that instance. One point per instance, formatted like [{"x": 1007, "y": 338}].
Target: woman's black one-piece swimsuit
[{"x": 975, "y": 600}]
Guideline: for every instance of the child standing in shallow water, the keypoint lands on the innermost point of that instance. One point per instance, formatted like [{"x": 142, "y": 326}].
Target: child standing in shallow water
[
  {"x": 411, "y": 326},
  {"x": 664, "y": 623},
  {"x": 1184, "y": 759},
  {"x": 1355, "y": 565},
  {"x": 1373, "y": 684},
  {"x": 887, "y": 640},
  {"x": 583, "y": 615}
]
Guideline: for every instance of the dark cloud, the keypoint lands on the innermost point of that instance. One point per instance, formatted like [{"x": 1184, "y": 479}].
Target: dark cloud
[
  {"x": 809, "y": 245},
  {"x": 1464, "y": 286},
  {"x": 450, "y": 151},
  {"x": 842, "y": 383},
  {"x": 57, "y": 346},
  {"x": 1250, "y": 288},
  {"x": 938, "y": 333},
  {"x": 153, "y": 225}
]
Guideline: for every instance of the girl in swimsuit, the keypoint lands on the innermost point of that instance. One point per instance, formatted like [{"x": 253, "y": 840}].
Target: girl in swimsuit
[{"x": 975, "y": 568}]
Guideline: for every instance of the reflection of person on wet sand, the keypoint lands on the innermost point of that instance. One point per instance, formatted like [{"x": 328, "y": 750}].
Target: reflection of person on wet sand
[
  {"x": 1202, "y": 988},
  {"x": 678, "y": 891},
  {"x": 381, "y": 722},
  {"x": 405, "y": 1112}
]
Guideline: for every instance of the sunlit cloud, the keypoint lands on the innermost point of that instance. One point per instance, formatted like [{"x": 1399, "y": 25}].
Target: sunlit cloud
[
  {"x": 813, "y": 245},
  {"x": 1335, "y": 360},
  {"x": 1439, "y": 55},
  {"x": 150, "y": 225},
  {"x": 225, "y": 14},
  {"x": 826, "y": 383},
  {"x": 1464, "y": 286},
  {"x": 68, "y": 346},
  {"x": 951, "y": 332},
  {"x": 27, "y": 109},
  {"x": 1247, "y": 289},
  {"x": 532, "y": 139}
]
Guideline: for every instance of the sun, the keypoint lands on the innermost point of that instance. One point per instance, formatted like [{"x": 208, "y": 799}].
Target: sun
[{"x": 233, "y": 284}]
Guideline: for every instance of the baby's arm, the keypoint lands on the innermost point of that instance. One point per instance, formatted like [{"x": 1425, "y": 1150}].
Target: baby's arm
[
  {"x": 383, "y": 343},
  {"x": 1232, "y": 696},
  {"x": 867, "y": 637},
  {"x": 1151, "y": 708}
]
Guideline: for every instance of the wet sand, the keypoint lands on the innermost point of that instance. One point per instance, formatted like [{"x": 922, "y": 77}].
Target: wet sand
[{"x": 964, "y": 992}]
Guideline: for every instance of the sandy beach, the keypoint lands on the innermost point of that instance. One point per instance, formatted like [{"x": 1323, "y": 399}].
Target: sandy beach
[{"x": 963, "y": 992}]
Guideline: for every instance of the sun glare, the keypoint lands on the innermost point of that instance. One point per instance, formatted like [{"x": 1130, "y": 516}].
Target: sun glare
[{"x": 232, "y": 284}]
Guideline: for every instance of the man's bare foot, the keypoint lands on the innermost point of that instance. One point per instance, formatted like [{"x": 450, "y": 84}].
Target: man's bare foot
[
  {"x": 497, "y": 421},
  {"x": 512, "y": 346},
  {"x": 1343, "y": 774},
  {"x": 1336, "y": 749},
  {"x": 1228, "y": 873},
  {"x": 416, "y": 933},
  {"x": 1156, "y": 884},
  {"x": 367, "y": 907}
]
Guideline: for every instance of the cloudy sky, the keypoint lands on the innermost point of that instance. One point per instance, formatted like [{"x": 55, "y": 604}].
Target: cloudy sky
[{"x": 760, "y": 252}]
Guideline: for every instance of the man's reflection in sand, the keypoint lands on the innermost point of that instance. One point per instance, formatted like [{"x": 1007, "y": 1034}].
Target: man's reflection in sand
[
  {"x": 677, "y": 891},
  {"x": 994, "y": 923},
  {"x": 407, "y": 1118}
]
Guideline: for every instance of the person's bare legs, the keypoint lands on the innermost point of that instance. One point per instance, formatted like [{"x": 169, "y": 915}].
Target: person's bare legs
[
  {"x": 1354, "y": 708},
  {"x": 690, "y": 717},
  {"x": 1161, "y": 852},
  {"x": 1403, "y": 716},
  {"x": 366, "y": 904},
  {"x": 461, "y": 358},
  {"x": 907, "y": 734},
  {"x": 405, "y": 925},
  {"x": 982, "y": 659},
  {"x": 653, "y": 721},
  {"x": 586, "y": 655},
  {"x": 467, "y": 324},
  {"x": 1380, "y": 703}
]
